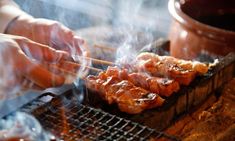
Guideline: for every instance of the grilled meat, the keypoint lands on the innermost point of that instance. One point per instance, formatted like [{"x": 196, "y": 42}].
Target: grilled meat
[
  {"x": 137, "y": 91},
  {"x": 161, "y": 86},
  {"x": 180, "y": 70},
  {"x": 129, "y": 98}
]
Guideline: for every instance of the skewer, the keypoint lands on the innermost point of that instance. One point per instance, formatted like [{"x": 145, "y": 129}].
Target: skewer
[
  {"x": 68, "y": 65},
  {"x": 58, "y": 70},
  {"x": 98, "y": 61},
  {"x": 105, "y": 47},
  {"x": 70, "y": 68}
]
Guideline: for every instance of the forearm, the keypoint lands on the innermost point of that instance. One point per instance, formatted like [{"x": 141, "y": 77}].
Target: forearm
[{"x": 8, "y": 12}]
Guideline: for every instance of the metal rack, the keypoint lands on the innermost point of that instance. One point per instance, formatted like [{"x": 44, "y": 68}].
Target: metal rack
[{"x": 72, "y": 121}]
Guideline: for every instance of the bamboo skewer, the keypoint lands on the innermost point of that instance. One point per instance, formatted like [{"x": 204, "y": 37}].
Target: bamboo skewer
[
  {"x": 70, "y": 68},
  {"x": 98, "y": 61},
  {"x": 105, "y": 47},
  {"x": 68, "y": 65}
]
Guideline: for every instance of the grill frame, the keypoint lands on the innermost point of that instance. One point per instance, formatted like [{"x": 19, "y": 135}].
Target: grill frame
[
  {"x": 52, "y": 100},
  {"x": 187, "y": 99},
  {"x": 111, "y": 127}
]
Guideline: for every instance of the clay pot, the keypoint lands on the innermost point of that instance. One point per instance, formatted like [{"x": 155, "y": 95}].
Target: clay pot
[{"x": 191, "y": 38}]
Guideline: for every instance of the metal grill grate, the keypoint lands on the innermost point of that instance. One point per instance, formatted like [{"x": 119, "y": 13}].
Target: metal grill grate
[{"x": 73, "y": 121}]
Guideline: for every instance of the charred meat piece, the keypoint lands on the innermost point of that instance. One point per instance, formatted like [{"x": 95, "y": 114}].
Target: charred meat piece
[
  {"x": 129, "y": 98},
  {"x": 162, "y": 86},
  {"x": 166, "y": 66}
]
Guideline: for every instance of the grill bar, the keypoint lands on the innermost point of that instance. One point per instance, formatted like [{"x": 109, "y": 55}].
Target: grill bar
[
  {"x": 68, "y": 119},
  {"x": 72, "y": 121}
]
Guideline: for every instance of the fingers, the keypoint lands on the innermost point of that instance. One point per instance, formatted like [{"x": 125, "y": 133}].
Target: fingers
[
  {"x": 57, "y": 36},
  {"x": 63, "y": 68},
  {"x": 68, "y": 70},
  {"x": 80, "y": 46},
  {"x": 43, "y": 77},
  {"x": 79, "y": 40},
  {"x": 50, "y": 33},
  {"x": 15, "y": 62},
  {"x": 37, "y": 73},
  {"x": 67, "y": 41},
  {"x": 41, "y": 52},
  {"x": 63, "y": 38},
  {"x": 69, "y": 66}
]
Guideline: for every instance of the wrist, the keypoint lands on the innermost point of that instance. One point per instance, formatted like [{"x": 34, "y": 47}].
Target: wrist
[{"x": 20, "y": 26}]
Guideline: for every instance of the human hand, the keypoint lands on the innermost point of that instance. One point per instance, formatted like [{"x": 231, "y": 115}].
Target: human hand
[
  {"x": 49, "y": 33},
  {"x": 24, "y": 58}
]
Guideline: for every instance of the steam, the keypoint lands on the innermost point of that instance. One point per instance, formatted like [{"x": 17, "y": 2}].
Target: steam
[
  {"x": 23, "y": 126},
  {"x": 131, "y": 34},
  {"x": 128, "y": 12},
  {"x": 130, "y": 18},
  {"x": 9, "y": 85},
  {"x": 19, "y": 125},
  {"x": 126, "y": 52}
]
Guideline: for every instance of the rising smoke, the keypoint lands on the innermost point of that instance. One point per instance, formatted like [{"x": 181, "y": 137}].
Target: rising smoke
[
  {"x": 136, "y": 23},
  {"x": 22, "y": 126},
  {"x": 9, "y": 85}
]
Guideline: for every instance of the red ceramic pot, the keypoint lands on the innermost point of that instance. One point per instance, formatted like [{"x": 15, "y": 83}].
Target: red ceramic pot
[{"x": 190, "y": 37}]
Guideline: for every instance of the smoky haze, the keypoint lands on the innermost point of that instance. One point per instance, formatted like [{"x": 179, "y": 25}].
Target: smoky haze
[
  {"x": 131, "y": 17},
  {"x": 148, "y": 15},
  {"x": 139, "y": 22}
]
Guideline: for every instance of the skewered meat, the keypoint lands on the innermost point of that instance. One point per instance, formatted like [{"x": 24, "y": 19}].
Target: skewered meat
[
  {"x": 161, "y": 86},
  {"x": 129, "y": 98},
  {"x": 131, "y": 91},
  {"x": 181, "y": 70}
]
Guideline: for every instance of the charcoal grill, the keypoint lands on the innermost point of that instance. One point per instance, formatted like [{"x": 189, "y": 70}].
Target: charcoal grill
[
  {"x": 70, "y": 120},
  {"x": 187, "y": 99}
]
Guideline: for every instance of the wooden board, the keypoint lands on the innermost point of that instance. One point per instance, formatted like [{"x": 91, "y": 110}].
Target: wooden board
[{"x": 213, "y": 120}]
